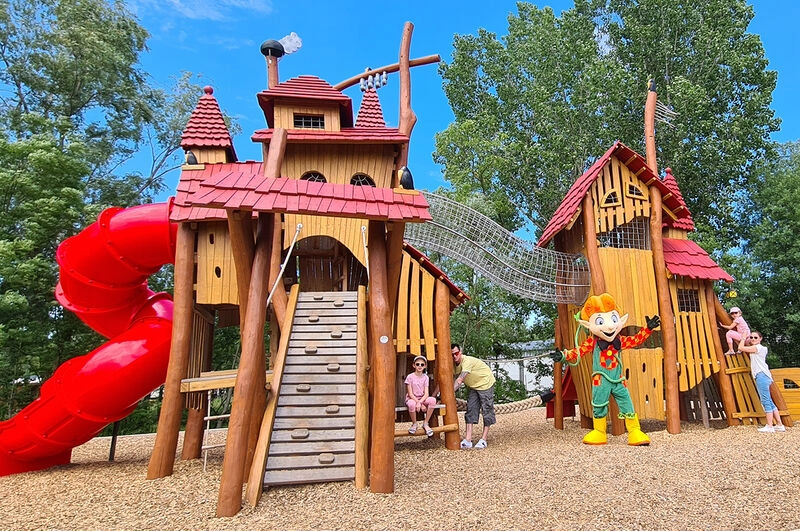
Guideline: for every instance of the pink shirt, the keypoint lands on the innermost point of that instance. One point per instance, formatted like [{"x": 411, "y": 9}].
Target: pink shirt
[
  {"x": 741, "y": 326},
  {"x": 418, "y": 384}
]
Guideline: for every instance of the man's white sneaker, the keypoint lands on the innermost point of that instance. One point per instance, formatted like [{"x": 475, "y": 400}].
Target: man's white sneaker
[
  {"x": 465, "y": 444},
  {"x": 766, "y": 429},
  {"x": 779, "y": 428},
  {"x": 480, "y": 444}
]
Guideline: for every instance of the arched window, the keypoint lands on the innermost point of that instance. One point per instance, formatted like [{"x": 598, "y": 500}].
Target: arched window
[
  {"x": 314, "y": 177},
  {"x": 362, "y": 179},
  {"x": 611, "y": 199}
]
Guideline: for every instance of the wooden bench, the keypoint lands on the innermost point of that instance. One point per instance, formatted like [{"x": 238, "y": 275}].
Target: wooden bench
[{"x": 214, "y": 380}]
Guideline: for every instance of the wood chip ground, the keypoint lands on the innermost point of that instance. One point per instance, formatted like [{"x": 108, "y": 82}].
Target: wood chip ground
[{"x": 530, "y": 477}]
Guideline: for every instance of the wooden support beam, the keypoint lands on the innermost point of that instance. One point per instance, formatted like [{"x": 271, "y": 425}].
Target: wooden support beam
[
  {"x": 590, "y": 240},
  {"x": 383, "y": 365},
  {"x": 240, "y": 228},
  {"x": 362, "y": 393},
  {"x": 444, "y": 362},
  {"x": 668, "y": 334},
  {"x": 162, "y": 460},
  {"x": 251, "y": 376},
  {"x": 724, "y": 380}
]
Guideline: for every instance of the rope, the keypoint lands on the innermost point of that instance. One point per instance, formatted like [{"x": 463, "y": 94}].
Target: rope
[{"x": 511, "y": 407}]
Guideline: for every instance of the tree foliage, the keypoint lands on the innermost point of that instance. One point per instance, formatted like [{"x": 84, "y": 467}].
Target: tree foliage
[{"x": 534, "y": 108}]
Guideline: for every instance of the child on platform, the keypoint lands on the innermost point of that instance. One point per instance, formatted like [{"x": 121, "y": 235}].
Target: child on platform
[
  {"x": 737, "y": 330},
  {"x": 418, "y": 397}
]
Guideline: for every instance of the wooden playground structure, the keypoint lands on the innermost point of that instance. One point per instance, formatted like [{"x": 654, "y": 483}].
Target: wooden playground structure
[
  {"x": 308, "y": 246},
  {"x": 303, "y": 233},
  {"x": 632, "y": 225}
]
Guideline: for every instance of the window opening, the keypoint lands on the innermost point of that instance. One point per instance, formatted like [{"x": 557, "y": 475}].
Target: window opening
[
  {"x": 362, "y": 179},
  {"x": 309, "y": 121},
  {"x": 314, "y": 177}
]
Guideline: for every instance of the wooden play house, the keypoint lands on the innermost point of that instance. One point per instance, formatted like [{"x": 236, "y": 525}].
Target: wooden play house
[
  {"x": 632, "y": 225},
  {"x": 310, "y": 241}
]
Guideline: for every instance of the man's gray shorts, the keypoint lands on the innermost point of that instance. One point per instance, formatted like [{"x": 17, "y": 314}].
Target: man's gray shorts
[{"x": 480, "y": 402}]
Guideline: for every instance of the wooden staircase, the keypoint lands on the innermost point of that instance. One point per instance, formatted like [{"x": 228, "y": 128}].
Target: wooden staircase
[{"x": 313, "y": 436}]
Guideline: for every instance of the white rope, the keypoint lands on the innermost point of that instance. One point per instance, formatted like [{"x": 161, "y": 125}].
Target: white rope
[
  {"x": 366, "y": 251},
  {"x": 283, "y": 265}
]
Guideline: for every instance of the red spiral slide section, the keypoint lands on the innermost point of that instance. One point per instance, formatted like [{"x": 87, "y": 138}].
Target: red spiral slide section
[{"x": 103, "y": 280}]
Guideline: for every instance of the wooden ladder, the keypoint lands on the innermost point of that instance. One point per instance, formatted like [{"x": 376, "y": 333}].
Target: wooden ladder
[{"x": 313, "y": 436}]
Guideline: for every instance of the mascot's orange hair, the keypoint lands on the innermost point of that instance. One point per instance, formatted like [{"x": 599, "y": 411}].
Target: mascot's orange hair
[{"x": 598, "y": 304}]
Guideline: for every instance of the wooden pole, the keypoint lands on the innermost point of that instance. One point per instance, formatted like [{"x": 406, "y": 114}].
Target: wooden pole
[
  {"x": 272, "y": 169},
  {"x": 195, "y": 423},
  {"x": 407, "y": 117},
  {"x": 724, "y": 380},
  {"x": 590, "y": 241},
  {"x": 362, "y": 394},
  {"x": 558, "y": 372},
  {"x": 395, "y": 261},
  {"x": 670, "y": 342},
  {"x": 240, "y": 228},
  {"x": 444, "y": 363},
  {"x": 162, "y": 460},
  {"x": 394, "y": 67},
  {"x": 383, "y": 365},
  {"x": 251, "y": 378}
]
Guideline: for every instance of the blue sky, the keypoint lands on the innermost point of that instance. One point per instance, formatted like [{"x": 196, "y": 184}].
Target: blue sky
[{"x": 220, "y": 39}]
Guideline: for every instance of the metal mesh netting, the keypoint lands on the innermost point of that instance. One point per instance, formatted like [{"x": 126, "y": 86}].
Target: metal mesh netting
[{"x": 514, "y": 264}]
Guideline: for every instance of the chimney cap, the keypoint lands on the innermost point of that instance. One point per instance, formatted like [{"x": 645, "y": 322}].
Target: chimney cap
[{"x": 272, "y": 48}]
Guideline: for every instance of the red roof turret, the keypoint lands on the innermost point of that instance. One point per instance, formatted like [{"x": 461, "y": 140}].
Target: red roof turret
[
  {"x": 206, "y": 127},
  {"x": 370, "y": 114}
]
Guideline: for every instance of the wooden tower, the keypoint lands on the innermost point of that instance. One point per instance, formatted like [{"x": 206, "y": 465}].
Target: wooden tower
[
  {"x": 633, "y": 225},
  {"x": 311, "y": 241}
]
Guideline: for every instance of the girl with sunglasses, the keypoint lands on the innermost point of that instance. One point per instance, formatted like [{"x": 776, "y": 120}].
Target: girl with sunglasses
[{"x": 418, "y": 397}]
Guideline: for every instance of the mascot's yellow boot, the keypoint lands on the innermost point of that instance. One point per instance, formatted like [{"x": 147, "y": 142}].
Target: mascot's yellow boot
[
  {"x": 636, "y": 437},
  {"x": 598, "y": 434}
]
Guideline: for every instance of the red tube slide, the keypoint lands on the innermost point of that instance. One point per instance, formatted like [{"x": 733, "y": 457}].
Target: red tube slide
[{"x": 103, "y": 279}]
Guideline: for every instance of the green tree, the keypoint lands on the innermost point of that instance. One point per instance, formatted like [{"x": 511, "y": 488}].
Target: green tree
[
  {"x": 771, "y": 285},
  {"x": 75, "y": 103},
  {"x": 535, "y": 107}
]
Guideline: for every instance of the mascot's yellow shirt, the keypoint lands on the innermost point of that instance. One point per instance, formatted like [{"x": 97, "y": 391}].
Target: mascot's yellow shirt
[{"x": 479, "y": 375}]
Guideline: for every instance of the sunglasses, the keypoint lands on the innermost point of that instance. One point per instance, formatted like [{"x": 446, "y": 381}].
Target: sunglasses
[
  {"x": 754, "y": 337},
  {"x": 419, "y": 365}
]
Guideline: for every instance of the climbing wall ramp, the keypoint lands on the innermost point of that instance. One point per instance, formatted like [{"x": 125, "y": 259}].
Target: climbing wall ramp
[
  {"x": 510, "y": 262},
  {"x": 313, "y": 436}
]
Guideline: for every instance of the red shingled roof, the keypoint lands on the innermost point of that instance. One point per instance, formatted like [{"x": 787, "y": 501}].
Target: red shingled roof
[
  {"x": 303, "y": 88},
  {"x": 686, "y": 223},
  {"x": 243, "y": 186},
  {"x": 370, "y": 114},
  {"x": 686, "y": 258},
  {"x": 636, "y": 164},
  {"x": 367, "y": 135},
  {"x": 428, "y": 266},
  {"x": 189, "y": 184},
  {"x": 206, "y": 127}
]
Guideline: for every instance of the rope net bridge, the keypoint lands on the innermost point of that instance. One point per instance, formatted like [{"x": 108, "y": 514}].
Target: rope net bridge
[{"x": 512, "y": 263}]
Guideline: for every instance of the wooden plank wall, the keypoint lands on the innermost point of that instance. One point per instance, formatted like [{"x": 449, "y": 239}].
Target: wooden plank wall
[
  {"x": 414, "y": 312},
  {"x": 284, "y": 115},
  {"x": 694, "y": 331},
  {"x": 345, "y": 230},
  {"x": 339, "y": 162},
  {"x": 791, "y": 394},
  {"x": 748, "y": 406},
  {"x": 216, "y": 273},
  {"x": 200, "y": 352},
  {"x": 616, "y": 177},
  {"x": 631, "y": 281}
]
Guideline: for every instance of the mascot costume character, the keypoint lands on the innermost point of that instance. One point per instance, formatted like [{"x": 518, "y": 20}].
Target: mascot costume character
[{"x": 601, "y": 317}]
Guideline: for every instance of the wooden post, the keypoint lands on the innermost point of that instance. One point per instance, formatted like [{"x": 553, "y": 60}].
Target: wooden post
[
  {"x": 195, "y": 423},
  {"x": 590, "y": 241},
  {"x": 407, "y": 117},
  {"x": 395, "y": 261},
  {"x": 240, "y": 228},
  {"x": 444, "y": 363},
  {"x": 725, "y": 386},
  {"x": 162, "y": 460},
  {"x": 362, "y": 394},
  {"x": 251, "y": 378},
  {"x": 780, "y": 403},
  {"x": 670, "y": 342},
  {"x": 383, "y": 365},
  {"x": 272, "y": 169}
]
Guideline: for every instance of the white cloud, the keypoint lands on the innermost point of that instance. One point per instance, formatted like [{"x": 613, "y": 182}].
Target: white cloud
[{"x": 217, "y": 10}]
